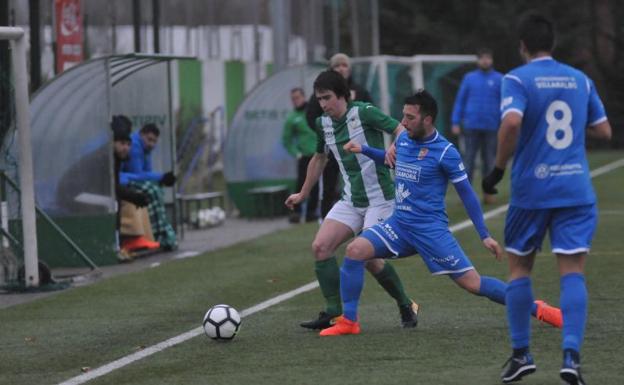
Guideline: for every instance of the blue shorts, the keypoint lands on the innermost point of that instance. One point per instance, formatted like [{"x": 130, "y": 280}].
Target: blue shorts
[
  {"x": 571, "y": 229},
  {"x": 436, "y": 246}
]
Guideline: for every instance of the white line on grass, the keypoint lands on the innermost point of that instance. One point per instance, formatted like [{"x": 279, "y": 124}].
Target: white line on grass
[
  {"x": 186, "y": 254},
  {"x": 120, "y": 363},
  {"x": 102, "y": 370}
]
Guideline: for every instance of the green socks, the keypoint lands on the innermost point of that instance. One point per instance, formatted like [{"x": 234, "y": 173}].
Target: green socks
[
  {"x": 328, "y": 275},
  {"x": 390, "y": 281}
]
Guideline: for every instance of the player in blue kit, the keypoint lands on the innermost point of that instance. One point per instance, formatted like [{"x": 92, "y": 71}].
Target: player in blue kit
[
  {"x": 547, "y": 109},
  {"x": 425, "y": 162}
]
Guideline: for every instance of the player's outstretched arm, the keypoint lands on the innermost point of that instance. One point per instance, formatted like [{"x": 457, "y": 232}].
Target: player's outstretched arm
[
  {"x": 313, "y": 174},
  {"x": 376, "y": 154}
]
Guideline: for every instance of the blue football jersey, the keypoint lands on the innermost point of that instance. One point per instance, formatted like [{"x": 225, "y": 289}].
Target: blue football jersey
[
  {"x": 422, "y": 172},
  {"x": 557, "y": 103}
]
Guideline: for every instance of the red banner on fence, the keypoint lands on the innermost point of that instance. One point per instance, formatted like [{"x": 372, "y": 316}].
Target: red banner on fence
[{"x": 68, "y": 31}]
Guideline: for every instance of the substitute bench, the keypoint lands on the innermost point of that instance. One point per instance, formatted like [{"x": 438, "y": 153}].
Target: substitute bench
[{"x": 269, "y": 201}]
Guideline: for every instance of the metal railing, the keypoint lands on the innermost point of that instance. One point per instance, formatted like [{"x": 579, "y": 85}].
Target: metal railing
[{"x": 6, "y": 180}]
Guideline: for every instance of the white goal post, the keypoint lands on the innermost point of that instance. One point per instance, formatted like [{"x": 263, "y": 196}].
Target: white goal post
[{"x": 22, "y": 119}]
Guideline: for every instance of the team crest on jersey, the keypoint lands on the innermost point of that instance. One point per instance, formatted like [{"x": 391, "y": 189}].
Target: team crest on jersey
[
  {"x": 402, "y": 193},
  {"x": 423, "y": 152}
]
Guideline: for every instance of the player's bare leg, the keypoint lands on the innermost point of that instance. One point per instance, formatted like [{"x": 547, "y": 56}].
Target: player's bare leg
[{"x": 330, "y": 235}]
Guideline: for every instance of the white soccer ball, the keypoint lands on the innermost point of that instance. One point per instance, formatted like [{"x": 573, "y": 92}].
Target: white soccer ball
[
  {"x": 220, "y": 214},
  {"x": 211, "y": 217},
  {"x": 201, "y": 218},
  {"x": 222, "y": 322}
]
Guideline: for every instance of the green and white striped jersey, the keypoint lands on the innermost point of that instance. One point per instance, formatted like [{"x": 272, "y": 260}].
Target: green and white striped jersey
[{"x": 365, "y": 183}]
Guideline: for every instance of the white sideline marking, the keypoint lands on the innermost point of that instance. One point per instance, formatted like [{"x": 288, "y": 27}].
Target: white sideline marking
[
  {"x": 607, "y": 168},
  {"x": 102, "y": 370},
  {"x": 117, "y": 364},
  {"x": 186, "y": 254}
]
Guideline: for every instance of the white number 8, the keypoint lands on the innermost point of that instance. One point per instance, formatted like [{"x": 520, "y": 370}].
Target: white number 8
[{"x": 555, "y": 125}]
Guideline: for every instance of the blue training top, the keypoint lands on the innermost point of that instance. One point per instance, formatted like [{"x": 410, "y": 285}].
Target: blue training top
[
  {"x": 139, "y": 163},
  {"x": 477, "y": 102},
  {"x": 557, "y": 103}
]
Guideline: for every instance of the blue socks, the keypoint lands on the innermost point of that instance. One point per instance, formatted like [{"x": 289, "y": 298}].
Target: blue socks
[
  {"x": 493, "y": 288},
  {"x": 573, "y": 304},
  {"x": 519, "y": 299},
  {"x": 351, "y": 284}
]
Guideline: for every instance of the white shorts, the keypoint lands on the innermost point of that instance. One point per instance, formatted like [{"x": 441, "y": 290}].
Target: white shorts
[{"x": 360, "y": 218}]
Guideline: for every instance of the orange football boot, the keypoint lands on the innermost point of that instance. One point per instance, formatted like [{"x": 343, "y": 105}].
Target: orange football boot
[
  {"x": 138, "y": 243},
  {"x": 342, "y": 326},
  {"x": 549, "y": 314}
]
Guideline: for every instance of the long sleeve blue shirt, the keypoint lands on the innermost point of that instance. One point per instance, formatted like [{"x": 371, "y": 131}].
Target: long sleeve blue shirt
[
  {"x": 138, "y": 167},
  {"x": 477, "y": 104}
]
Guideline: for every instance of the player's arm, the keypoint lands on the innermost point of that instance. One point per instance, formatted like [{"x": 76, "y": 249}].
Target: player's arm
[
  {"x": 390, "y": 157},
  {"x": 313, "y": 174},
  {"x": 507, "y": 139},
  {"x": 453, "y": 167},
  {"x": 514, "y": 100},
  {"x": 598, "y": 127},
  {"x": 376, "y": 154},
  {"x": 600, "y": 131},
  {"x": 473, "y": 208},
  {"x": 314, "y": 171},
  {"x": 374, "y": 117}
]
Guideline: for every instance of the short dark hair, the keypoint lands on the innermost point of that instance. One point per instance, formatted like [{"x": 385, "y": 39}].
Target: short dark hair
[
  {"x": 122, "y": 127},
  {"x": 537, "y": 32},
  {"x": 426, "y": 102},
  {"x": 150, "y": 128},
  {"x": 297, "y": 89},
  {"x": 331, "y": 80},
  {"x": 484, "y": 51}
]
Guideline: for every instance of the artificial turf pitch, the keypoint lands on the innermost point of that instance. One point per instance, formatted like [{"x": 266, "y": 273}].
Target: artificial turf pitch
[{"x": 460, "y": 339}]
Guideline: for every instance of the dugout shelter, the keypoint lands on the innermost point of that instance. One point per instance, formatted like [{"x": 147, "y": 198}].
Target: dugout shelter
[
  {"x": 254, "y": 158},
  {"x": 73, "y": 154}
]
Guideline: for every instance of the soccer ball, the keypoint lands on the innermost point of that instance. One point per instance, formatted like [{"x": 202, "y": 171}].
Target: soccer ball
[{"x": 222, "y": 322}]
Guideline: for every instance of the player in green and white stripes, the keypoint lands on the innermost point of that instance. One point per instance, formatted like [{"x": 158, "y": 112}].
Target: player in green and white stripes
[{"x": 367, "y": 195}]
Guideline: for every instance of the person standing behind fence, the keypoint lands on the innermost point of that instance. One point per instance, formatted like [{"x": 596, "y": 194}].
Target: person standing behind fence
[
  {"x": 476, "y": 114},
  {"x": 300, "y": 141},
  {"x": 138, "y": 170},
  {"x": 331, "y": 192}
]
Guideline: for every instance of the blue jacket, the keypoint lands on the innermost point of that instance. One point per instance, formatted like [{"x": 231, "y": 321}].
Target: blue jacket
[
  {"x": 138, "y": 167},
  {"x": 477, "y": 104}
]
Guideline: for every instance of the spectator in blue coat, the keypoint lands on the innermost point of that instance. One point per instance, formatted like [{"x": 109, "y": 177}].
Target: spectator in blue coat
[
  {"x": 476, "y": 113},
  {"x": 138, "y": 173}
]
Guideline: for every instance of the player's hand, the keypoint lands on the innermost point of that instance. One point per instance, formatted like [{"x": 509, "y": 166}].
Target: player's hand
[
  {"x": 492, "y": 180},
  {"x": 391, "y": 156},
  {"x": 294, "y": 199},
  {"x": 168, "y": 179},
  {"x": 491, "y": 244},
  {"x": 456, "y": 129},
  {"x": 353, "y": 147}
]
